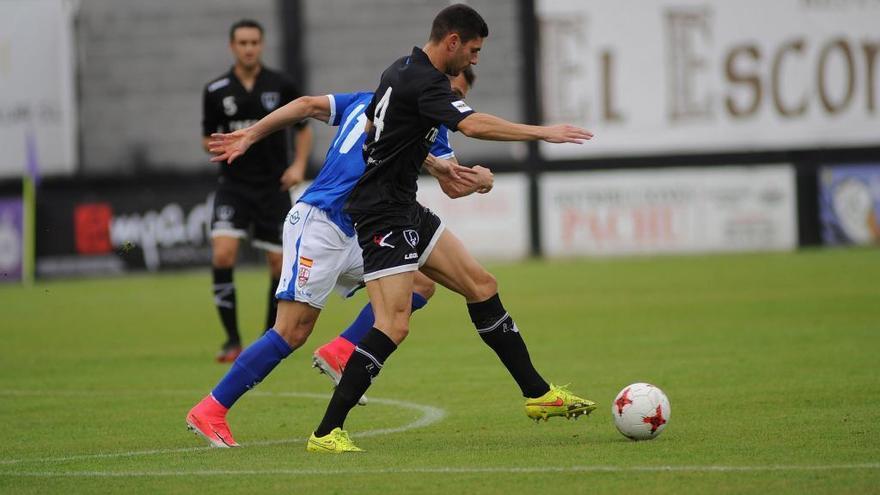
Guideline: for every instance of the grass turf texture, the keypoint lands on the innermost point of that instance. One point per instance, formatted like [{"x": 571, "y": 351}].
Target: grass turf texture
[{"x": 768, "y": 360}]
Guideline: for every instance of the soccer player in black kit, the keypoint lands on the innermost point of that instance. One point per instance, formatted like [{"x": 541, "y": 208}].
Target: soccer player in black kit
[
  {"x": 252, "y": 197},
  {"x": 398, "y": 235}
]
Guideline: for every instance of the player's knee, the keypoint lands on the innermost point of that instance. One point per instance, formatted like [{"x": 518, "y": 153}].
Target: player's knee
[
  {"x": 297, "y": 331},
  {"x": 223, "y": 257},
  {"x": 295, "y": 335}
]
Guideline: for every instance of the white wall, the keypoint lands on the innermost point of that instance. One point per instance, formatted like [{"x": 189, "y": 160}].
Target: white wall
[
  {"x": 37, "y": 105},
  {"x": 687, "y": 76}
]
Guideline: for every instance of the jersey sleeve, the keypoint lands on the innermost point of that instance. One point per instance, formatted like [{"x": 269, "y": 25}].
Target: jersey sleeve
[
  {"x": 339, "y": 103},
  {"x": 210, "y": 115},
  {"x": 439, "y": 105},
  {"x": 441, "y": 147},
  {"x": 289, "y": 92}
]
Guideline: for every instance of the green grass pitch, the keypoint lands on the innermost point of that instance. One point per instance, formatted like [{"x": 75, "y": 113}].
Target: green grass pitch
[{"x": 770, "y": 362}]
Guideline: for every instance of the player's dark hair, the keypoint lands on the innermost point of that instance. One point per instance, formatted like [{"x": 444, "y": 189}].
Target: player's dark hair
[
  {"x": 461, "y": 19},
  {"x": 245, "y": 23},
  {"x": 469, "y": 76}
]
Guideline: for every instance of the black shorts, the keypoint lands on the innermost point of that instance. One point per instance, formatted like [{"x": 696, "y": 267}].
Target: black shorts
[
  {"x": 397, "y": 243},
  {"x": 242, "y": 210}
]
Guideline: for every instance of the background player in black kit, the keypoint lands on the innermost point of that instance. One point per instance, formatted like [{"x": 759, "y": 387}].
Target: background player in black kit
[
  {"x": 398, "y": 235},
  {"x": 253, "y": 196}
]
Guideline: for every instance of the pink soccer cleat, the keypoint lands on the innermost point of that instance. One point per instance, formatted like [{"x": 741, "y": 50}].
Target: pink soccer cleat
[
  {"x": 208, "y": 419},
  {"x": 331, "y": 358}
]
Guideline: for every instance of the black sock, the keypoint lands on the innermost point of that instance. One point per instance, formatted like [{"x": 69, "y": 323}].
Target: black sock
[
  {"x": 224, "y": 299},
  {"x": 364, "y": 364},
  {"x": 499, "y": 332},
  {"x": 272, "y": 310}
]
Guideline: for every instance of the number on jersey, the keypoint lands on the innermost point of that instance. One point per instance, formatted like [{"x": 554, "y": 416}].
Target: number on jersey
[
  {"x": 379, "y": 114},
  {"x": 354, "y": 132}
]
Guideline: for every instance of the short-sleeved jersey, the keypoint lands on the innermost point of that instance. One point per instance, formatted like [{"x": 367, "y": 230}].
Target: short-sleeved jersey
[
  {"x": 412, "y": 101},
  {"x": 228, "y": 106},
  {"x": 344, "y": 163}
]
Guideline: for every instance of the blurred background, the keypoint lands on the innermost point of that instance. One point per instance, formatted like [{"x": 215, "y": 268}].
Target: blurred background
[{"x": 720, "y": 126}]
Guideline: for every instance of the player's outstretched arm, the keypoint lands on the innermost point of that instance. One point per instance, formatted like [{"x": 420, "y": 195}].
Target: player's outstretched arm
[
  {"x": 457, "y": 181},
  {"x": 492, "y": 128},
  {"x": 228, "y": 147}
]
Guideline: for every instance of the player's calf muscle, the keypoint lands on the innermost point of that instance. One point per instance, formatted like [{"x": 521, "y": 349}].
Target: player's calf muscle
[
  {"x": 223, "y": 258},
  {"x": 484, "y": 285}
]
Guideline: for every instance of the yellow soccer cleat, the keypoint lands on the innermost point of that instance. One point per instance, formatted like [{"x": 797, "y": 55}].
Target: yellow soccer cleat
[
  {"x": 335, "y": 442},
  {"x": 558, "y": 402}
]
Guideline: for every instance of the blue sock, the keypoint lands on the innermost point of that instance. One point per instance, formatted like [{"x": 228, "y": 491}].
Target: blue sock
[
  {"x": 364, "y": 321},
  {"x": 254, "y": 364}
]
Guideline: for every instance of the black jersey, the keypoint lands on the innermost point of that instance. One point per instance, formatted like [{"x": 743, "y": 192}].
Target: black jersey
[
  {"x": 412, "y": 100},
  {"x": 228, "y": 106}
]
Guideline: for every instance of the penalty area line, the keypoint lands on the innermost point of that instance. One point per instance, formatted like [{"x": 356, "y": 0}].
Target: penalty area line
[{"x": 446, "y": 470}]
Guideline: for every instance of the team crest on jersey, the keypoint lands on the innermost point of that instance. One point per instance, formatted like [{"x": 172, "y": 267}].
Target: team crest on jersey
[
  {"x": 411, "y": 236},
  {"x": 225, "y": 212},
  {"x": 305, "y": 269},
  {"x": 229, "y": 106},
  {"x": 270, "y": 99}
]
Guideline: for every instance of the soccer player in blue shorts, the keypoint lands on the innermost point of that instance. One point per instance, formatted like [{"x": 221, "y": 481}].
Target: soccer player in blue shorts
[{"x": 320, "y": 251}]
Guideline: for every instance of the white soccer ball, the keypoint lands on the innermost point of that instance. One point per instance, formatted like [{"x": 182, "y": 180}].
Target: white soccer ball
[{"x": 641, "y": 411}]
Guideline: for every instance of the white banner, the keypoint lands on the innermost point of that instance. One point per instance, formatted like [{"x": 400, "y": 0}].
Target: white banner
[
  {"x": 493, "y": 225},
  {"x": 688, "y": 76},
  {"x": 37, "y": 105},
  {"x": 668, "y": 211}
]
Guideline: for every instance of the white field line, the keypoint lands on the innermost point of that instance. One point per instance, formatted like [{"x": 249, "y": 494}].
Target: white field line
[
  {"x": 429, "y": 415},
  {"x": 444, "y": 470}
]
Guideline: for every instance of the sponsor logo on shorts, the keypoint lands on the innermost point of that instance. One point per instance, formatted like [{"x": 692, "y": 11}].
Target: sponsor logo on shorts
[
  {"x": 379, "y": 240},
  {"x": 411, "y": 236},
  {"x": 305, "y": 269},
  {"x": 303, "y": 276},
  {"x": 411, "y": 256},
  {"x": 293, "y": 218}
]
